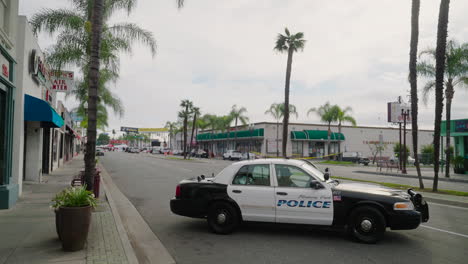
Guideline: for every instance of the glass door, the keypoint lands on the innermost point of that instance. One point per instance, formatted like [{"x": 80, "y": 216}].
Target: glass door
[{"x": 2, "y": 133}]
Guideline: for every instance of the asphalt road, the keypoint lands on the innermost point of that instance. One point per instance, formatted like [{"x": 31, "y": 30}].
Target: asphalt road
[{"x": 150, "y": 182}]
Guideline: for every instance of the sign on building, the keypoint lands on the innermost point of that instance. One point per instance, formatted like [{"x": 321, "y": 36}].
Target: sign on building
[
  {"x": 152, "y": 130},
  {"x": 62, "y": 81},
  {"x": 129, "y": 129},
  {"x": 461, "y": 125},
  {"x": 38, "y": 68},
  {"x": 394, "y": 110}
]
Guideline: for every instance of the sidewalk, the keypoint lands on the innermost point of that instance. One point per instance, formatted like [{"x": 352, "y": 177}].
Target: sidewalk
[{"x": 28, "y": 235}]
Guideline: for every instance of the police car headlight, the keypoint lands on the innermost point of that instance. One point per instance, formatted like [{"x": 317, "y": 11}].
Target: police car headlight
[{"x": 403, "y": 206}]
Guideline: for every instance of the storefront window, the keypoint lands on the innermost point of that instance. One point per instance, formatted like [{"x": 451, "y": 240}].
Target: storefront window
[
  {"x": 316, "y": 149},
  {"x": 297, "y": 148}
]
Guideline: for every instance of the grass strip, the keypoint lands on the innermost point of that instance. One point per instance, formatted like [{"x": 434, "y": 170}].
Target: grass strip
[{"x": 404, "y": 187}]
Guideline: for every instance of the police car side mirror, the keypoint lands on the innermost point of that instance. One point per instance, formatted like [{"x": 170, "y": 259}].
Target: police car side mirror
[
  {"x": 326, "y": 176},
  {"x": 315, "y": 185}
]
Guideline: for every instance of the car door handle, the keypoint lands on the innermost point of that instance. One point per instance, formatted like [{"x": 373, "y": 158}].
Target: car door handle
[
  {"x": 281, "y": 193},
  {"x": 236, "y": 191}
]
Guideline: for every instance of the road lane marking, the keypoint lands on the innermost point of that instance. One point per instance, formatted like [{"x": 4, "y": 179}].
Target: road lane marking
[
  {"x": 446, "y": 205},
  {"x": 445, "y": 231}
]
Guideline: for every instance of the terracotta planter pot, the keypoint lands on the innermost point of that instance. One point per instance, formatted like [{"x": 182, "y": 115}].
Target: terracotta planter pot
[
  {"x": 58, "y": 223},
  {"x": 74, "y": 226}
]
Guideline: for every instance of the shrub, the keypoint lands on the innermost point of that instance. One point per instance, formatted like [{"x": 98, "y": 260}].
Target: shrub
[{"x": 74, "y": 197}]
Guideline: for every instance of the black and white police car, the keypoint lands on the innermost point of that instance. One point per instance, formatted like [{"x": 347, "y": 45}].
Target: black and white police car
[{"x": 296, "y": 192}]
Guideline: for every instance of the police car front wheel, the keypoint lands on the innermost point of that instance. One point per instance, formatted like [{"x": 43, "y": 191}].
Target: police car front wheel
[
  {"x": 222, "y": 218},
  {"x": 366, "y": 224}
]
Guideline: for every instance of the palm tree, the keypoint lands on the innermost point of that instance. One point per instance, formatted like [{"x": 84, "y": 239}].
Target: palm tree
[
  {"x": 277, "y": 114},
  {"x": 456, "y": 74},
  {"x": 289, "y": 43},
  {"x": 238, "y": 114},
  {"x": 184, "y": 115},
  {"x": 196, "y": 113},
  {"x": 212, "y": 122},
  {"x": 73, "y": 29},
  {"x": 276, "y": 110},
  {"x": 343, "y": 116},
  {"x": 439, "y": 82},
  {"x": 328, "y": 113},
  {"x": 172, "y": 127},
  {"x": 94, "y": 62},
  {"x": 413, "y": 79}
]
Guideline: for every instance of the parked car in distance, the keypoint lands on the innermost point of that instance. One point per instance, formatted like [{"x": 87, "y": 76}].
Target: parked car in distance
[
  {"x": 351, "y": 156},
  {"x": 99, "y": 152},
  {"x": 201, "y": 154},
  {"x": 364, "y": 161},
  {"x": 249, "y": 156},
  {"x": 232, "y": 155}
]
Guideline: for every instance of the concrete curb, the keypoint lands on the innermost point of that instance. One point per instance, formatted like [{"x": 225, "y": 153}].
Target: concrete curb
[
  {"x": 446, "y": 202},
  {"x": 145, "y": 244},
  {"x": 129, "y": 252}
]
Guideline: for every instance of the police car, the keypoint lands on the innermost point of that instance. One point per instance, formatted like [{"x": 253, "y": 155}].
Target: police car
[{"x": 296, "y": 192}]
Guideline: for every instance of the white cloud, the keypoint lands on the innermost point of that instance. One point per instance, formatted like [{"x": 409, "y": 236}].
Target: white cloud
[{"x": 220, "y": 53}]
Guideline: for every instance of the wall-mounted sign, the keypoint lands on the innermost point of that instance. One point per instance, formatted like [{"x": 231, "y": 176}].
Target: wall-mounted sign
[
  {"x": 152, "y": 130},
  {"x": 394, "y": 112},
  {"x": 62, "y": 81},
  {"x": 129, "y": 129},
  {"x": 75, "y": 117},
  {"x": 461, "y": 125},
  {"x": 5, "y": 71},
  {"x": 38, "y": 68},
  {"x": 5, "y": 64}
]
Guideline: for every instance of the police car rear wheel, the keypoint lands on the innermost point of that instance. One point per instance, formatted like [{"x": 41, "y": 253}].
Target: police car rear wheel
[
  {"x": 367, "y": 224},
  {"x": 222, "y": 218}
]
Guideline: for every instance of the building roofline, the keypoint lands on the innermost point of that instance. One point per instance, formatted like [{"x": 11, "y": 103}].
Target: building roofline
[{"x": 343, "y": 126}]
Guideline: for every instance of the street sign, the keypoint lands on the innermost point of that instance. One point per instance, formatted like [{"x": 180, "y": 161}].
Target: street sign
[
  {"x": 75, "y": 117},
  {"x": 129, "y": 129},
  {"x": 394, "y": 112}
]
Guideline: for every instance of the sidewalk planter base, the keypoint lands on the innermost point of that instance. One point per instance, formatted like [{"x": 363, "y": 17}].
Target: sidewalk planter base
[
  {"x": 74, "y": 225},
  {"x": 58, "y": 223}
]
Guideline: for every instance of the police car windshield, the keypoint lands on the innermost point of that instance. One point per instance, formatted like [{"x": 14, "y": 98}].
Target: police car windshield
[{"x": 313, "y": 171}]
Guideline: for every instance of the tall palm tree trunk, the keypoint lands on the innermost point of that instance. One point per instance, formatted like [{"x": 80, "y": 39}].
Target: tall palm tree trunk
[
  {"x": 235, "y": 135},
  {"x": 339, "y": 142},
  {"x": 449, "y": 91},
  {"x": 413, "y": 78},
  {"x": 328, "y": 140},
  {"x": 439, "y": 83},
  {"x": 193, "y": 130},
  {"x": 96, "y": 29},
  {"x": 286, "y": 102},
  {"x": 277, "y": 137},
  {"x": 185, "y": 137}
]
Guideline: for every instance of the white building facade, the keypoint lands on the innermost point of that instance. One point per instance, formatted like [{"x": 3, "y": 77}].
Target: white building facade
[{"x": 307, "y": 140}]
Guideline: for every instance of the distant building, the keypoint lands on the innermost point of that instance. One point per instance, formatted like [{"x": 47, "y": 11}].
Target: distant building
[{"x": 304, "y": 140}]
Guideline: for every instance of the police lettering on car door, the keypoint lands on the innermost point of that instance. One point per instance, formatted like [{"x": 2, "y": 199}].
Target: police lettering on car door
[{"x": 302, "y": 203}]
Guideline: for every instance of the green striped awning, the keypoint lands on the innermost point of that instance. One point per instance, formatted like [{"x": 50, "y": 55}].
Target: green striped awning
[
  {"x": 232, "y": 134},
  {"x": 298, "y": 135},
  {"x": 323, "y": 135}
]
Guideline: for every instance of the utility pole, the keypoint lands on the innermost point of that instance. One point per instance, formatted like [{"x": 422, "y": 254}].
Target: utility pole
[
  {"x": 400, "y": 165},
  {"x": 405, "y": 115}
]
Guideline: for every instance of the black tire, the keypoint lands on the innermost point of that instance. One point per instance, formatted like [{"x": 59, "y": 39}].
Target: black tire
[
  {"x": 230, "y": 214},
  {"x": 357, "y": 227},
  {"x": 230, "y": 158},
  {"x": 224, "y": 158}
]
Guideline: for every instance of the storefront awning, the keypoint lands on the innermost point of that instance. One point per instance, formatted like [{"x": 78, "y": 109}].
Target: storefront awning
[
  {"x": 323, "y": 135},
  {"x": 298, "y": 135},
  {"x": 241, "y": 134},
  {"x": 36, "y": 109}
]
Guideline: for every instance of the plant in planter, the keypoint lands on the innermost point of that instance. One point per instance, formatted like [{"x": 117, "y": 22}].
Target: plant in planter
[
  {"x": 458, "y": 165},
  {"x": 73, "y": 216}
]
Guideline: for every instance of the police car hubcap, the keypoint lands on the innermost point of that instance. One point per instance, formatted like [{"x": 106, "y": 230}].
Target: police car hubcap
[
  {"x": 366, "y": 225},
  {"x": 221, "y": 218}
]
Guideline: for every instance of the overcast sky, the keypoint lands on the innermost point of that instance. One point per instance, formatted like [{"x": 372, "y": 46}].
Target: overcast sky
[{"x": 219, "y": 53}]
